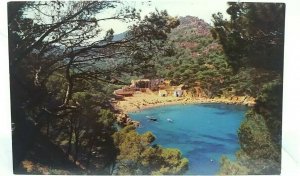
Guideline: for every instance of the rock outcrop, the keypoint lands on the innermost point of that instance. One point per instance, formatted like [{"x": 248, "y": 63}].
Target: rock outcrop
[{"x": 124, "y": 120}]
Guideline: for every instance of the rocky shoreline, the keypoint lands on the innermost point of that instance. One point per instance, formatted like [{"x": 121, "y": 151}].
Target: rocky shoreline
[{"x": 124, "y": 120}]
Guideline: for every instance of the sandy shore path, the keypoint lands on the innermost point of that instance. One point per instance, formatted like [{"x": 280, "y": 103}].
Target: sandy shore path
[{"x": 140, "y": 101}]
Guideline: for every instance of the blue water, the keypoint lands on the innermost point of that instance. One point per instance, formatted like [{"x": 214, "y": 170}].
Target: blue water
[{"x": 202, "y": 132}]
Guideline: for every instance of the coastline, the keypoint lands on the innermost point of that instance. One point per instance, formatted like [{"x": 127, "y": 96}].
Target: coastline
[{"x": 140, "y": 101}]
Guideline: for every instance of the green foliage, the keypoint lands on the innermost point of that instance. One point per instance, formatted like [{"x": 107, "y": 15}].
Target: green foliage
[
  {"x": 197, "y": 57},
  {"x": 269, "y": 105},
  {"x": 253, "y": 42},
  {"x": 255, "y": 138},
  {"x": 260, "y": 133},
  {"x": 172, "y": 161},
  {"x": 259, "y": 153},
  {"x": 138, "y": 156},
  {"x": 106, "y": 118},
  {"x": 231, "y": 168},
  {"x": 64, "y": 68},
  {"x": 254, "y": 35}
]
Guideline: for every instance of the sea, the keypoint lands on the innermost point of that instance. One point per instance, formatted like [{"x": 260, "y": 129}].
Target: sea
[{"x": 202, "y": 132}]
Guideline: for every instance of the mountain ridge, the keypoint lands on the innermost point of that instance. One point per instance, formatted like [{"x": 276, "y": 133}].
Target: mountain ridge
[
  {"x": 193, "y": 33},
  {"x": 197, "y": 25}
]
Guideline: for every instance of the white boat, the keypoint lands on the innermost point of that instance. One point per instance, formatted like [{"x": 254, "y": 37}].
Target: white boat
[{"x": 169, "y": 120}]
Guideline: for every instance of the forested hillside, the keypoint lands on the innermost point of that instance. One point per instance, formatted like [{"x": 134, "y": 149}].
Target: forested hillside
[{"x": 197, "y": 59}]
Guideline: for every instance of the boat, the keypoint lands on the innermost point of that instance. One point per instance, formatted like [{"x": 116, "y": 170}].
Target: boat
[
  {"x": 152, "y": 118},
  {"x": 169, "y": 120}
]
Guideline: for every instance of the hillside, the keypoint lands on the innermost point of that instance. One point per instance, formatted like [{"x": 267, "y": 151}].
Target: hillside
[
  {"x": 198, "y": 26},
  {"x": 197, "y": 57},
  {"x": 199, "y": 60}
]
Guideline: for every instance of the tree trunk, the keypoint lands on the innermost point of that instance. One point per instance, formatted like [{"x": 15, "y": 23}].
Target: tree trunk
[
  {"x": 48, "y": 127},
  {"x": 77, "y": 131},
  {"x": 91, "y": 145},
  {"x": 70, "y": 137},
  {"x": 69, "y": 78}
]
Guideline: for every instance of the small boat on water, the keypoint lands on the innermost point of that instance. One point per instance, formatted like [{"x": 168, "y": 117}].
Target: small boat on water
[
  {"x": 151, "y": 118},
  {"x": 169, "y": 120}
]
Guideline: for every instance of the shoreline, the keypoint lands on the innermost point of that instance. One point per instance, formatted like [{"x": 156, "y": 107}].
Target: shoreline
[
  {"x": 204, "y": 101},
  {"x": 141, "y": 101}
]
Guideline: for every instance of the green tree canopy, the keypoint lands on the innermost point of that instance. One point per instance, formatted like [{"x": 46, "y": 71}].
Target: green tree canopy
[
  {"x": 253, "y": 38},
  {"x": 62, "y": 63},
  {"x": 138, "y": 156},
  {"x": 254, "y": 35}
]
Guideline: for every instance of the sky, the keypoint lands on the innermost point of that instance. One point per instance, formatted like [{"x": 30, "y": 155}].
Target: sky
[
  {"x": 202, "y": 9},
  {"x": 199, "y": 8}
]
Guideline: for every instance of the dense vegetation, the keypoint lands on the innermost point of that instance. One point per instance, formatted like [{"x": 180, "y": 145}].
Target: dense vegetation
[
  {"x": 196, "y": 57},
  {"x": 253, "y": 38},
  {"x": 63, "y": 69},
  {"x": 135, "y": 151}
]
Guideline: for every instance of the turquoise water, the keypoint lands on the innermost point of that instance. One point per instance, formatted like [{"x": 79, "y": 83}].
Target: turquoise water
[{"x": 202, "y": 132}]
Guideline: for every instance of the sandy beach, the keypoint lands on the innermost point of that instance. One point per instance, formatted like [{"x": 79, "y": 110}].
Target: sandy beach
[{"x": 144, "y": 100}]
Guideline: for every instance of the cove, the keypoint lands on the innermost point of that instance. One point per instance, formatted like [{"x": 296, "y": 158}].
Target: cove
[{"x": 202, "y": 132}]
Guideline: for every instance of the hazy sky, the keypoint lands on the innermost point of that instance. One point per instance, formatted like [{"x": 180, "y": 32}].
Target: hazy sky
[{"x": 200, "y": 8}]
